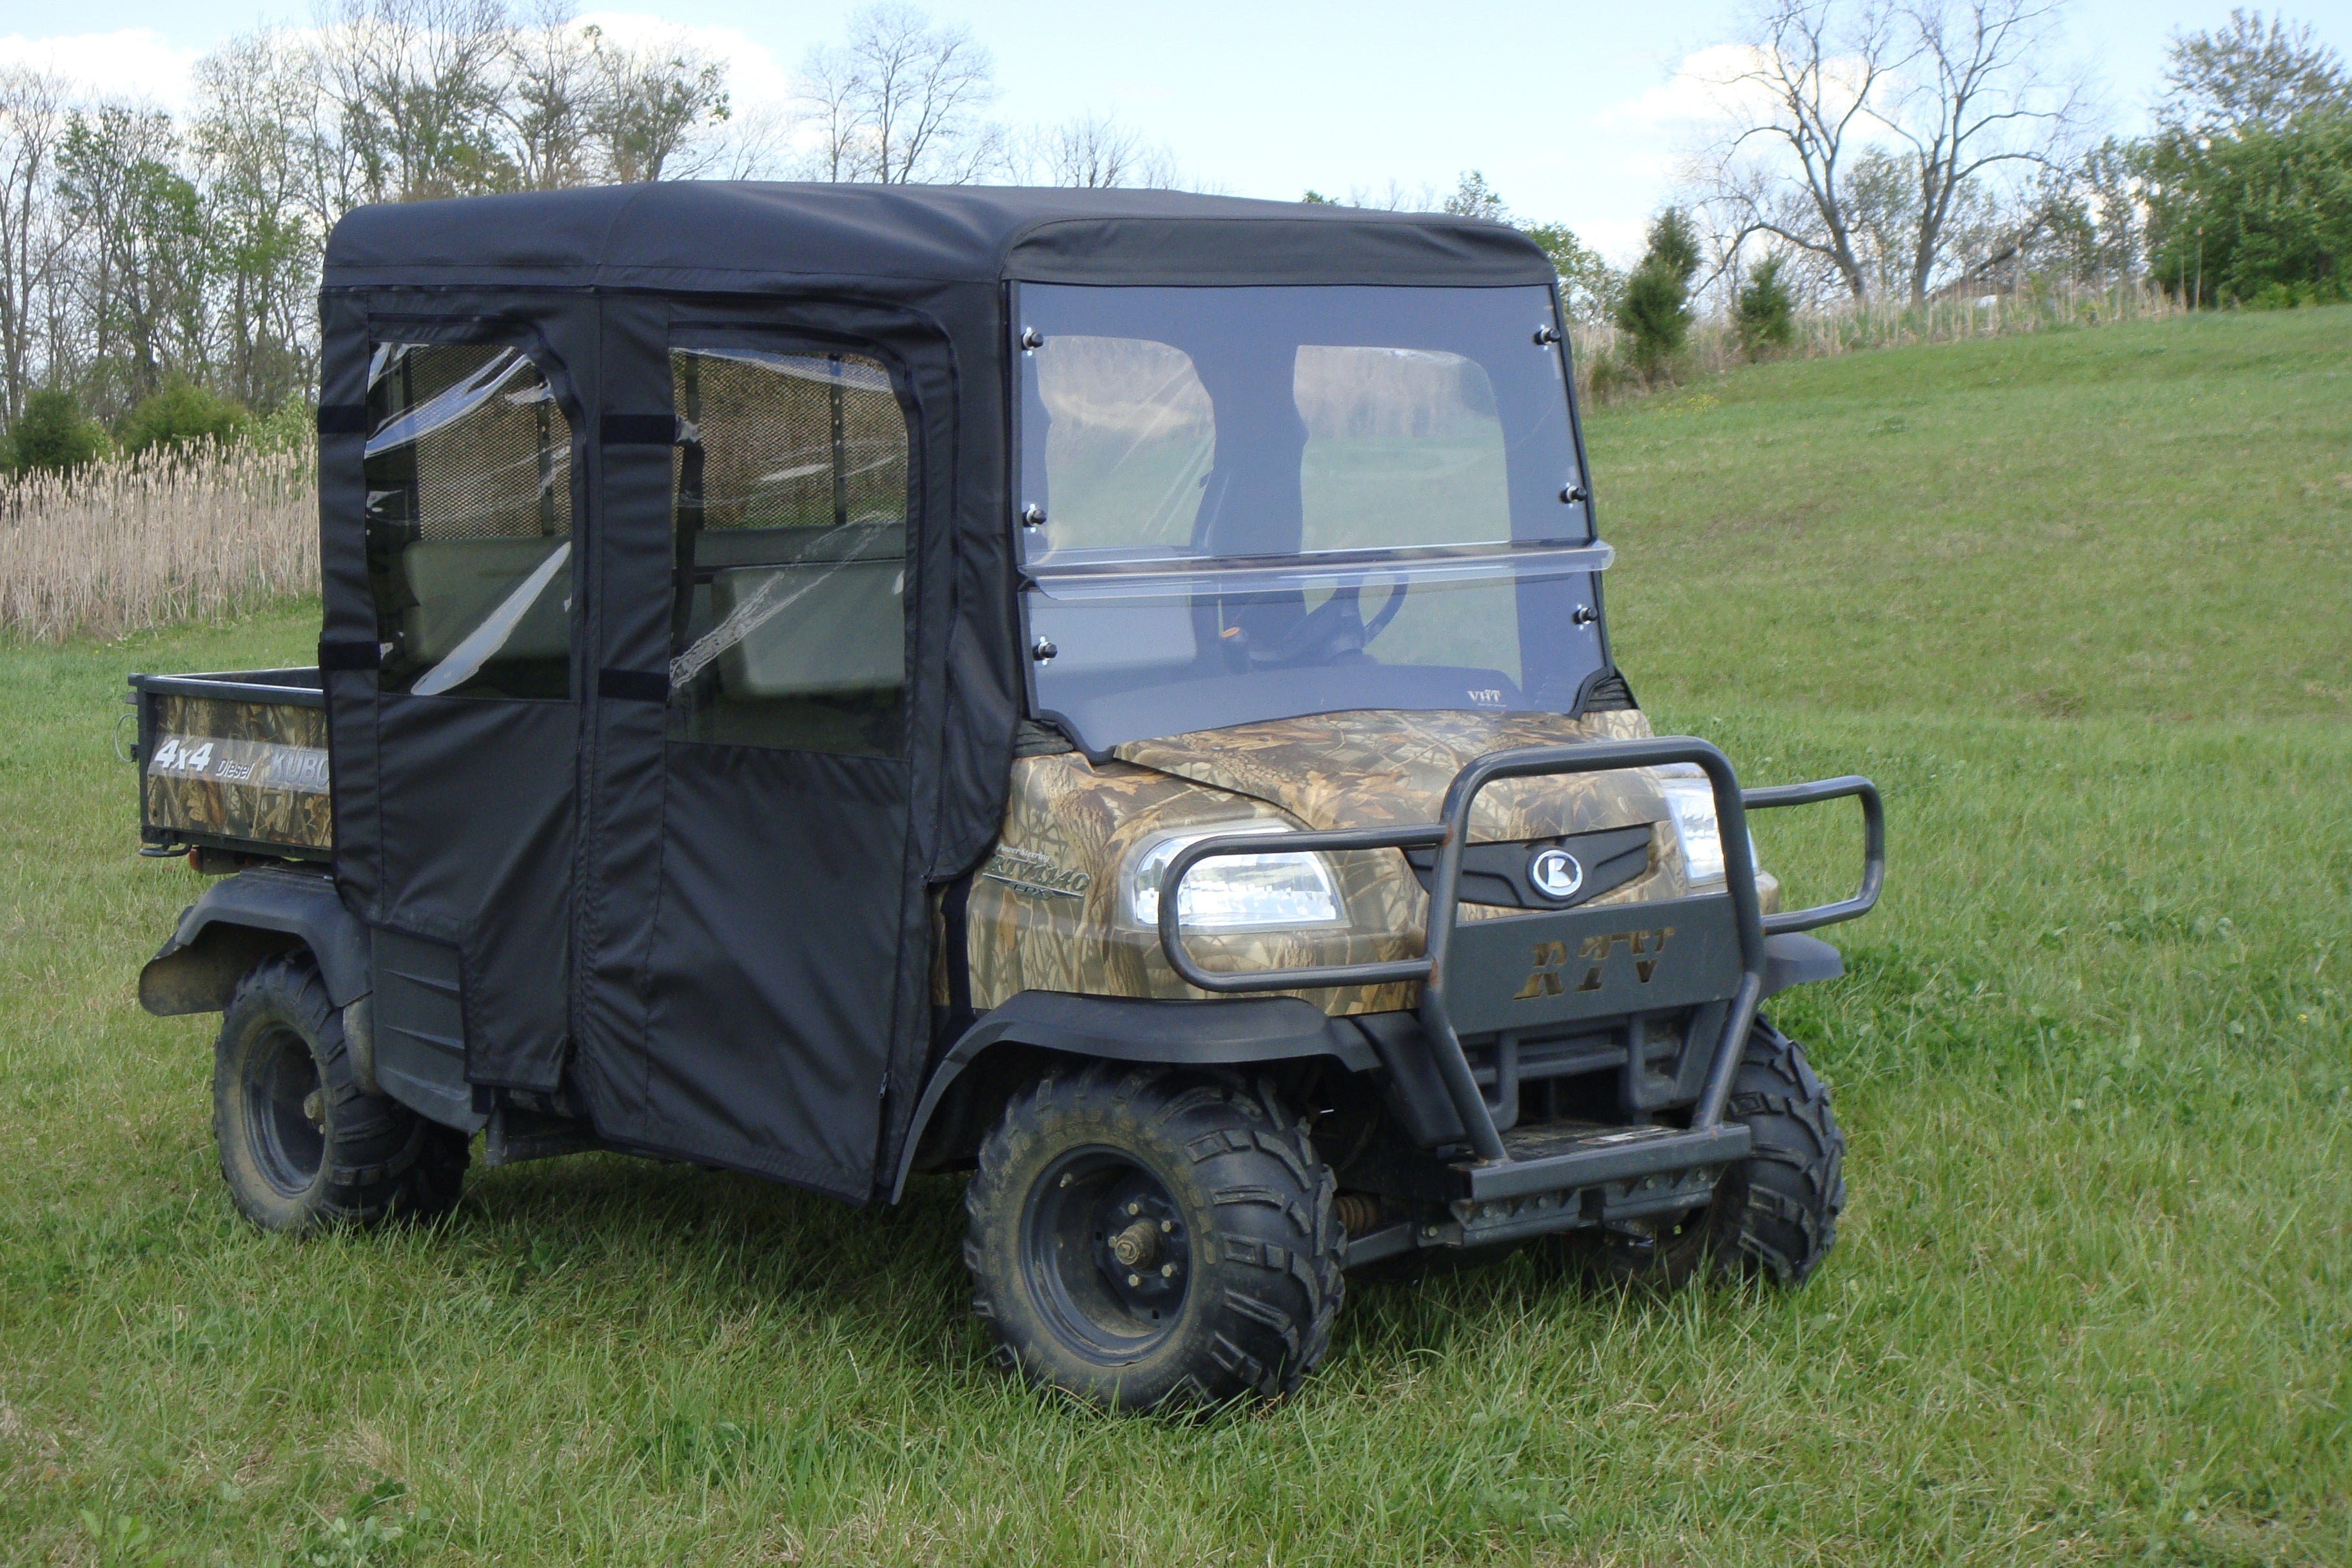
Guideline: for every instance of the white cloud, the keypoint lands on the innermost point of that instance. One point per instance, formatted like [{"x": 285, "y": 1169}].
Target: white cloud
[
  {"x": 754, "y": 75},
  {"x": 1693, "y": 101},
  {"x": 137, "y": 64}
]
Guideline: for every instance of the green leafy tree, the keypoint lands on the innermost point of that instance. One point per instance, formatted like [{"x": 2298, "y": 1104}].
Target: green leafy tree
[
  {"x": 1656, "y": 308},
  {"x": 52, "y": 436},
  {"x": 2249, "y": 184},
  {"x": 1474, "y": 197},
  {"x": 145, "y": 262},
  {"x": 1589, "y": 286},
  {"x": 180, "y": 415},
  {"x": 1764, "y": 314},
  {"x": 2249, "y": 77}
]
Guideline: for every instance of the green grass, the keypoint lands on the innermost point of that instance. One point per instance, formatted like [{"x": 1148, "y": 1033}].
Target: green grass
[{"x": 2092, "y": 1300}]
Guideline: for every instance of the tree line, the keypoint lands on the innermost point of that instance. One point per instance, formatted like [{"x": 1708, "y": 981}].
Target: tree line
[
  {"x": 158, "y": 271},
  {"x": 1916, "y": 150}
]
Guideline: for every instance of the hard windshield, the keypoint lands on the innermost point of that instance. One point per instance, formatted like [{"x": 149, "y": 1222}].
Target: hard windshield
[{"x": 1258, "y": 502}]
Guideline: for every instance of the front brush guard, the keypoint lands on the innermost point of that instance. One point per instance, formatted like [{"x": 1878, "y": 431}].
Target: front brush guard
[{"x": 1476, "y": 976}]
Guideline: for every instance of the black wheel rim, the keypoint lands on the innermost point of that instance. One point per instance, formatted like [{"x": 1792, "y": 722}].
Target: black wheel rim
[
  {"x": 285, "y": 1110},
  {"x": 1107, "y": 1253}
]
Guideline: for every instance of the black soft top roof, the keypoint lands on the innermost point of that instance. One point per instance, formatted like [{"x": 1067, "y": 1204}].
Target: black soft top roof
[{"x": 709, "y": 235}]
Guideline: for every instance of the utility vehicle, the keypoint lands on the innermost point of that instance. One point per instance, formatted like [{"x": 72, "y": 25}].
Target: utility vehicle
[{"x": 1106, "y": 690}]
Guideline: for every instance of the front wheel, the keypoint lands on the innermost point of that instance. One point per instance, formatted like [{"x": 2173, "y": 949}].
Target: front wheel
[
  {"x": 1145, "y": 1238},
  {"x": 1775, "y": 1213},
  {"x": 302, "y": 1145}
]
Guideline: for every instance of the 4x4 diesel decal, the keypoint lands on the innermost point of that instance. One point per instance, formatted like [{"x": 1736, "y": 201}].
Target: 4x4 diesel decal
[{"x": 1545, "y": 978}]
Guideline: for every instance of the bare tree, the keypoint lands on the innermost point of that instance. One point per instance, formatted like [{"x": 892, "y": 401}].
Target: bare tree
[
  {"x": 273, "y": 177},
  {"x": 418, "y": 83},
  {"x": 1867, "y": 133},
  {"x": 550, "y": 72},
  {"x": 1801, "y": 115},
  {"x": 901, "y": 101},
  {"x": 650, "y": 106},
  {"x": 1094, "y": 151},
  {"x": 32, "y": 119},
  {"x": 1980, "y": 103},
  {"x": 755, "y": 143}
]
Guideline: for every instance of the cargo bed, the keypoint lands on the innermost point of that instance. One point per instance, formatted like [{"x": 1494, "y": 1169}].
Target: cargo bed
[{"x": 235, "y": 762}]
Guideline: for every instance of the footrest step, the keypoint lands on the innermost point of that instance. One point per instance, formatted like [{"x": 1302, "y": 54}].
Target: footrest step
[{"x": 1556, "y": 1157}]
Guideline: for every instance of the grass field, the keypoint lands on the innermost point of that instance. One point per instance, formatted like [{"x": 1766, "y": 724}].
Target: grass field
[{"x": 2079, "y": 603}]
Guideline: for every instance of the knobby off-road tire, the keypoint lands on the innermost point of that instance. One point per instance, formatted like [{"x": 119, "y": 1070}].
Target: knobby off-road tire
[
  {"x": 1148, "y": 1239},
  {"x": 1775, "y": 1213},
  {"x": 302, "y": 1145}
]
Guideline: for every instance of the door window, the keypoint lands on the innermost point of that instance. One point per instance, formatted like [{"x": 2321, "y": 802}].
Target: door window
[
  {"x": 468, "y": 472},
  {"x": 790, "y": 542}
]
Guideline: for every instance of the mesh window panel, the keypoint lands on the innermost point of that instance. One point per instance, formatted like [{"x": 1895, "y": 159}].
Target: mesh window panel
[
  {"x": 490, "y": 453},
  {"x": 793, "y": 440}
]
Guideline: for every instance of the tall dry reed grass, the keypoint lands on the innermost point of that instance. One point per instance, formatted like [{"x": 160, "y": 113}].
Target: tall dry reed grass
[
  {"x": 1602, "y": 370},
  {"x": 135, "y": 542}
]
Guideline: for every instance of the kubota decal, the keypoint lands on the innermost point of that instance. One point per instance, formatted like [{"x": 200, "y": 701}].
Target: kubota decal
[{"x": 263, "y": 764}]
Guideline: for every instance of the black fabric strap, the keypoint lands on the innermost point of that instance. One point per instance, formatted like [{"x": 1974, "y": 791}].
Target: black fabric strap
[
  {"x": 342, "y": 419},
  {"x": 638, "y": 430},
  {"x": 634, "y": 684},
  {"x": 344, "y": 654}
]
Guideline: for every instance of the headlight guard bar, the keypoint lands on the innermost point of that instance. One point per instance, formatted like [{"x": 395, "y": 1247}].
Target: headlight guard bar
[{"x": 1450, "y": 834}]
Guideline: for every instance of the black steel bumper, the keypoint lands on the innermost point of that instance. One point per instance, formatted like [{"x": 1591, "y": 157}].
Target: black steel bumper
[{"x": 1544, "y": 971}]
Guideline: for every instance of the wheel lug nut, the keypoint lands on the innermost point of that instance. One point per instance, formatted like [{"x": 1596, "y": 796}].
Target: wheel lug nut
[
  {"x": 1135, "y": 1279},
  {"x": 1168, "y": 1271},
  {"x": 1167, "y": 1227},
  {"x": 314, "y": 1106},
  {"x": 1135, "y": 1208}
]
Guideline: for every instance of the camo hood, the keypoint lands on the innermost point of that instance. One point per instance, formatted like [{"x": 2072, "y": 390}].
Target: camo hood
[{"x": 1380, "y": 768}]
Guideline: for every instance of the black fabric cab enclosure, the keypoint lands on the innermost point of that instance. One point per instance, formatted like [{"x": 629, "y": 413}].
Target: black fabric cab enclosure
[{"x": 580, "y": 452}]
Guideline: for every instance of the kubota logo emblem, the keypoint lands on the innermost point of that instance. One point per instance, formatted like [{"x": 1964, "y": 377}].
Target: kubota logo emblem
[
  {"x": 1547, "y": 977},
  {"x": 1555, "y": 873}
]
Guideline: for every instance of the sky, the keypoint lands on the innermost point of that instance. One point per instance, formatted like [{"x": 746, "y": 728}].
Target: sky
[{"x": 1576, "y": 112}]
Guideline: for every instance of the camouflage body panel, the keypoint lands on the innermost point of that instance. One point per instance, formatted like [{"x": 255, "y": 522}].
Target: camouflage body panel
[
  {"x": 226, "y": 768},
  {"x": 1377, "y": 769},
  {"x": 1047, "y": 909}
]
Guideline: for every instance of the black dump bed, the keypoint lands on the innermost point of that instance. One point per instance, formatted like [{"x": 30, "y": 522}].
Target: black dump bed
[{"x": 235, "y": 761}]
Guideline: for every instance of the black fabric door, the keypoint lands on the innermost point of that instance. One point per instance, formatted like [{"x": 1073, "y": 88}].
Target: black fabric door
[
  {"x": 456, "y": 762},
  {"x": 768, "y": 939}
]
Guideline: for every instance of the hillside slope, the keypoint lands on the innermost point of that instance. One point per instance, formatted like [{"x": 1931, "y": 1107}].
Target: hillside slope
[{"x": 2148, "y": 519}]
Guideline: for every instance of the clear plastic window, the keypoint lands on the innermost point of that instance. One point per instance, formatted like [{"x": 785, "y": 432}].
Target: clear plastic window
[
  {"x": 469, "y": 513},
  {"x": 1404, "y": 448},
  {"x": 1268, "y": 501},
  {"x": 1130, "y": 439},
  {"x": 788, "y": 627}
]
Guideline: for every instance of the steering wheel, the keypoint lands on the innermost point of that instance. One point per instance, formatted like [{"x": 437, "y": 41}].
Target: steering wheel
[{"x": 1332, "y": 631}]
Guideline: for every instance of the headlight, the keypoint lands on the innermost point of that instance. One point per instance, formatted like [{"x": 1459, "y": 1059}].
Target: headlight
[
  {"x": 1237, "y": 892},
  {"x": 1690, "y": 798}
]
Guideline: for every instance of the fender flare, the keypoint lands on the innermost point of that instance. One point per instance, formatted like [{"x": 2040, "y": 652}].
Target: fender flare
[
  {"x": 243, "y": 919},
  {"x": 1137, "y": 1029}
]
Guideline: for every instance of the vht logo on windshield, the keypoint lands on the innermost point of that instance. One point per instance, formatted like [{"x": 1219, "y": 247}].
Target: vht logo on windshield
[{"x": 1548, "y": 977}]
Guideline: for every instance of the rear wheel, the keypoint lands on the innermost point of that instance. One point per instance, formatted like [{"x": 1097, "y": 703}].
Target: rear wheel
[
  {"x": 1774, "y": 1216},
  {"x": 1145, "y": 1238},
  {"x": 302, "y": 1145}
]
